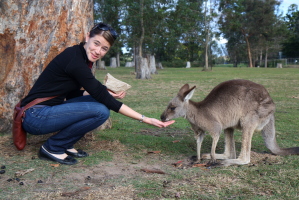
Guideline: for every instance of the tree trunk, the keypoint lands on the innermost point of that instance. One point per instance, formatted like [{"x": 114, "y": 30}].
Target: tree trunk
[
  {"x": 152, "y": 64},
  {"x": 135, "y": 58},
  {"x": 113, "y": 62},
  {"x": 32, "y": 34},
  {"x": 266, "y": 57},
  {"x": 261, "y": 58},
  {"x": 248, "y": 51},
  {"x": 117, "y": 60},
  {"x": 235, "y": 61},
  {"x": 207, "y": 31},
  {"x": 142, "y": 71}
]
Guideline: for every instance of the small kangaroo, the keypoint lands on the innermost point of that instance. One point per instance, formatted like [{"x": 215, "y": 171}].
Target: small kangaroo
[{"x": 233, "y": 104}]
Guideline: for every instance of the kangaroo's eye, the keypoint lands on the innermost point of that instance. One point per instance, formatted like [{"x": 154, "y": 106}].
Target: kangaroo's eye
[{"x": 172, "y": 108}]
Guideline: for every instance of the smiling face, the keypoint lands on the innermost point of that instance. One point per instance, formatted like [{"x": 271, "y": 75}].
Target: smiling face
[{"x": 96, "y": 47}]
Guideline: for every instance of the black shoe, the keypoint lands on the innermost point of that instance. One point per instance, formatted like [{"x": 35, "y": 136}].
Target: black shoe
[
  {"x": 79, "y": 154},
  {"x": 44, "y": 155}
]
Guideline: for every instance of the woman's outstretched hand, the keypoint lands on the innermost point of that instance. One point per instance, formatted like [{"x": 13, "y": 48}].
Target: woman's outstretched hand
[{"x": 158, "y": 123}]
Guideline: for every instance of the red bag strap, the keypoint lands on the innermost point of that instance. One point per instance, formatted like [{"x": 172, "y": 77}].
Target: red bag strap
[{"x": 36, "y": 101}]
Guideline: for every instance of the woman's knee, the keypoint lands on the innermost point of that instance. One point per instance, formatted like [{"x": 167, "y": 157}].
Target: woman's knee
[{"x": 103, "y": 112}]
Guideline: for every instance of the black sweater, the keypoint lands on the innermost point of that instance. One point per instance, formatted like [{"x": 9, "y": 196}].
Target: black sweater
[{"x": 65, "y": 75}]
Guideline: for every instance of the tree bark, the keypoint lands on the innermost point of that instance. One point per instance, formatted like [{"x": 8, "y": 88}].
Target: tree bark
[
  {"x": 207, "y": 32},
  {"x": 117, "y": 60},
  {"x": 248, "y": 51},
  {"x": 142, "y": 71},
  {"x": 261, "y": 58},
  {"x": 113, "y": 62},
  {"x": 32, "y": 34},
  {"x": 266, "y": 57},
  {"x": 152, "y": 64}
]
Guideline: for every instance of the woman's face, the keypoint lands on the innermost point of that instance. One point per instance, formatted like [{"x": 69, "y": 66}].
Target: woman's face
[{"x": 96, "y": 47}]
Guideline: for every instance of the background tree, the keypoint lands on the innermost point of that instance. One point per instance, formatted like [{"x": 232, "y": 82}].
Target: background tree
[
  {"x": 209, "y": 16},
  {"x": 249, "y": 18},
  {"x": 236, "y": 47},
  {"x": 291, "y": 45},
  {"x": 185, "y": 26}
]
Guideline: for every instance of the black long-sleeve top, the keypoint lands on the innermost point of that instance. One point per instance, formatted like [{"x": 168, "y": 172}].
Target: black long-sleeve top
[{"x": 65, "y": 75}]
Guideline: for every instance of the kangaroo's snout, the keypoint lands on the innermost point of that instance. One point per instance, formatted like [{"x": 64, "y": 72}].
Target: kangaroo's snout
[{"x": 163, "y": 118}]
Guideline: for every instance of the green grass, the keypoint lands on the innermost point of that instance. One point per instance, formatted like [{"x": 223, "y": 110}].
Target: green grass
[
  {"x": 269, "y": 178},
  {"x": 97, "y": 157},
  {"x": 150, "y": 98}
]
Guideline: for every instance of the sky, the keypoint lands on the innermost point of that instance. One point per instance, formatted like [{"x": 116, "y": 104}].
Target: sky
[{"x": 286, "y": 3}]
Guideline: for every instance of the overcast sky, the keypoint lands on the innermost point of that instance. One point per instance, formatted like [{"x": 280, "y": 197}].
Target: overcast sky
[{"x": 286, "y": 3}]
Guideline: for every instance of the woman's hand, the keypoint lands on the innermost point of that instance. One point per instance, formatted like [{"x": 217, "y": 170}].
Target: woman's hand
[
  {"x": 156, "y": 122},
  {"x": 120, "y": 95},
  {"x": 129, "y": 112}
]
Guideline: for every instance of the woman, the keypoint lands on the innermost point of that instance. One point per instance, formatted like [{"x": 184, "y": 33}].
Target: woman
[{"x": 74, "y": 112}]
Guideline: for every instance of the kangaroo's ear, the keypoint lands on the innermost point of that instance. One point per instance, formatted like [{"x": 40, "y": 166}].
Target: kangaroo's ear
[{"x": 188, "y": 94}]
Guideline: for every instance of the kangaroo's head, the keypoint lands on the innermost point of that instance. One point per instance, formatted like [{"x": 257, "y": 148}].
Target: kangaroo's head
[{"x": 178, "y": 106}]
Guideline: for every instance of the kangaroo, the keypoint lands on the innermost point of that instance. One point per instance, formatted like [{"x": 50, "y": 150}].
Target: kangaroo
[{"x": 233, "y": 104}]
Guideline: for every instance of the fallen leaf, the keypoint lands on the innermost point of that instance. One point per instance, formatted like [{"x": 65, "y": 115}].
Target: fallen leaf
[
  {"x": 23, "y": 172},
  {"x": 55, "y": 165},
  {"x": 175, "y": 141},
  {"x": 157, "y": 171},
  {"x": 199, "y": 165},
  {"x": 154, "y": 152},
  {"x": 177, "y": 164}
]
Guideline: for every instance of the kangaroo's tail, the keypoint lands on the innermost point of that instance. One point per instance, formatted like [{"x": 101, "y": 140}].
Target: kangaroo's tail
[{"x": 268, "y": 133}]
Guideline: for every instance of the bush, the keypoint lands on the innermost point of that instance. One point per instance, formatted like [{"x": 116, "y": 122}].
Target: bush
[
  {"x": 180, "y": 64},
  {"x": 174, "y": 64}
]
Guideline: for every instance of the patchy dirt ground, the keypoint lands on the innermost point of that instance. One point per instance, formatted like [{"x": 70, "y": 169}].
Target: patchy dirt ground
[{"x": 105, "y": 180}]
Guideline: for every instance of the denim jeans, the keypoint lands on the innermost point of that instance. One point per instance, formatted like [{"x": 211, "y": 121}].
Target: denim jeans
[{"x": 72, "y": 119}]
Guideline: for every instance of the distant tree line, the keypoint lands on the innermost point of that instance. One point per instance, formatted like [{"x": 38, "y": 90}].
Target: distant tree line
[{"x": 185, "y": 30}]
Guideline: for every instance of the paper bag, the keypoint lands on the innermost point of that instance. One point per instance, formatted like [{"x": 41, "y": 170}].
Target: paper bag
[{"x": 114, "y": 84}]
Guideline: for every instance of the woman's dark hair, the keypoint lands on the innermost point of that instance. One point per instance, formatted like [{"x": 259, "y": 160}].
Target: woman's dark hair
[{"x": 104, "y": 30}]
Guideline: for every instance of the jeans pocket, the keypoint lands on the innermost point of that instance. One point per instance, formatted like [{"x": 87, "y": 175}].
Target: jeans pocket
[{"x": 32, "y": 121}]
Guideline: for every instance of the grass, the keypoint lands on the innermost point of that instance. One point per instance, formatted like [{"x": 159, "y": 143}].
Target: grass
[{"x": 267, "y": 177}]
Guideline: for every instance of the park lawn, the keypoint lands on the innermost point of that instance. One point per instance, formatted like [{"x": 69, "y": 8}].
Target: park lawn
[{"x": 120, "y": 155}]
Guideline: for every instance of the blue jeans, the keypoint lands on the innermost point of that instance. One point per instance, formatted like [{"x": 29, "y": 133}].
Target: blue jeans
[{"x": 72, "y": 119}]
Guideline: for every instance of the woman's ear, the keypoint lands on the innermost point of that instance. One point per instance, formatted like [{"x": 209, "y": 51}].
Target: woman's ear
[{"x": 87, "y": 37}]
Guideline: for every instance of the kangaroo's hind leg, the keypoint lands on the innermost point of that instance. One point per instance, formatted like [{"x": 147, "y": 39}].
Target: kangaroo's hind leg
[
  {"x": 244, "y": 157},
  {"x": 230, "y": 150}
]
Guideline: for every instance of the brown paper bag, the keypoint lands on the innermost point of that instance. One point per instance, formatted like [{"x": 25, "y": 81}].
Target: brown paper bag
[{"x": 114, "y": 84}]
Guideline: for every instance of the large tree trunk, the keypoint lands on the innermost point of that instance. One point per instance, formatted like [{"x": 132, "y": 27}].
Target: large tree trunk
[{"x": 32, "y": 34}]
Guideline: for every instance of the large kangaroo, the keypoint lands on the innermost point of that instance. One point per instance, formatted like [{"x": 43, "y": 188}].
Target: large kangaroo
[{"x": 240, "y": 104}]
